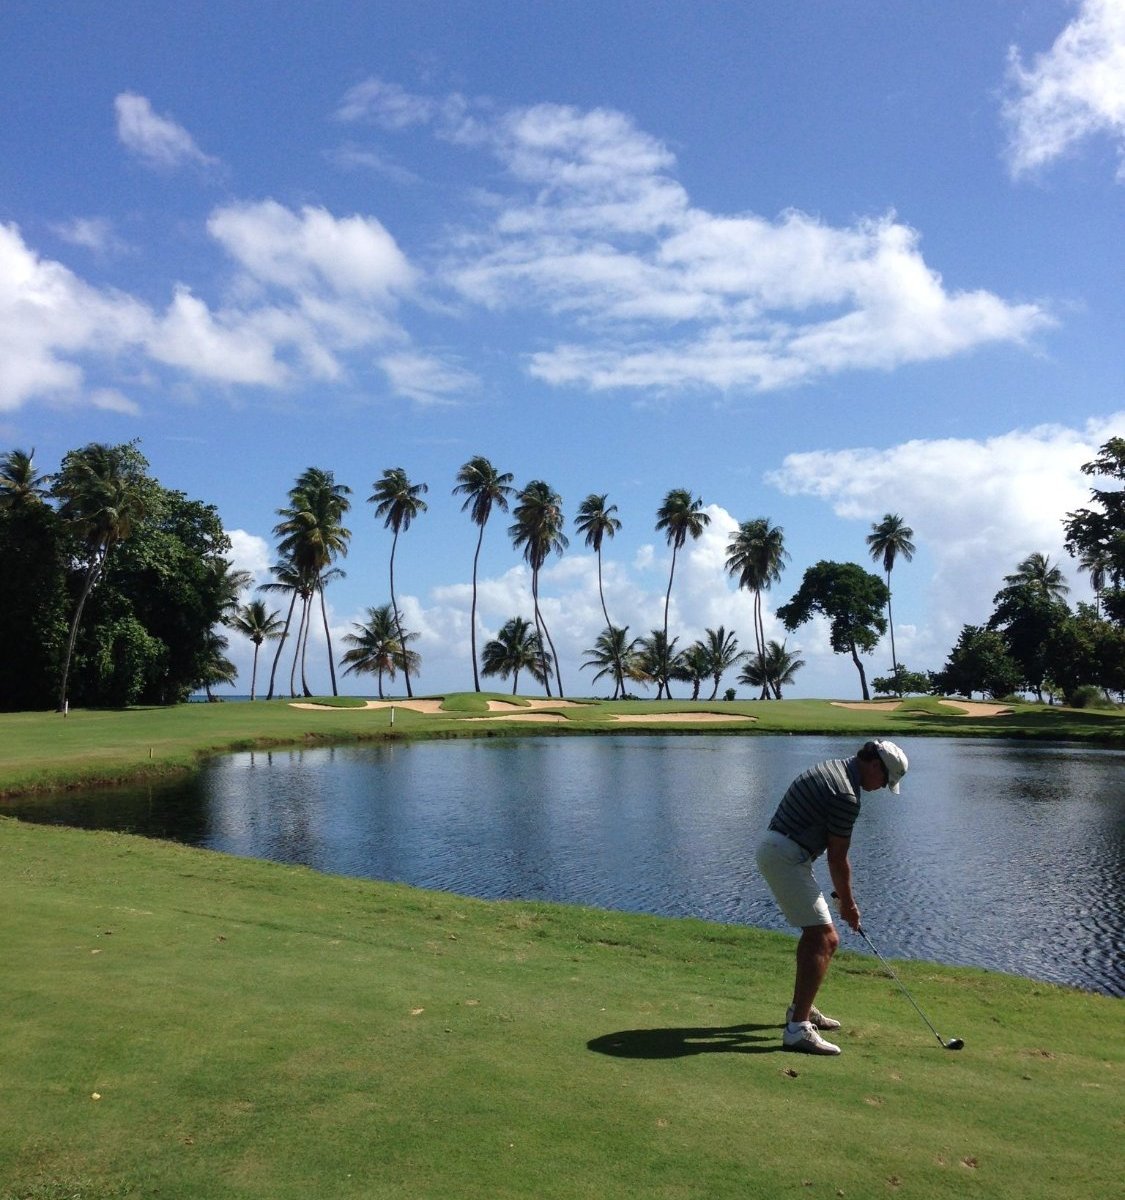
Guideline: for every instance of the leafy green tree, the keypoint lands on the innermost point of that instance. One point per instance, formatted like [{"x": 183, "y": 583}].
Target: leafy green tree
[
  {"x": 538, "y": 532},
  {"x": 517, "y": 647},
  {"x": 34, "y": 604},
  {"x": 679, "y": 517},
  {"x": 851, "y": 599},
  {"x": 979, "y": 662},
  {"x": 775, "y": 669},
  {"x": 756, "y": 555},
  {"x": 173, "y": 578},
  {"x": 1097, "y": 534},
  {"x": 614, "y": 653},
  {"x": 886, "y": 541},
  {"x": 902, "y": 683},
  {"x": 398, "y": 502},
  {"x": 1083, "y": 650},
  {"x": 102, "y": 492},
  {"x": 376, "y": 648},
  {"x": 1026, "y": 610},
  {"x": 260, "y": 625},
  {"x": 483, "y": 487}
]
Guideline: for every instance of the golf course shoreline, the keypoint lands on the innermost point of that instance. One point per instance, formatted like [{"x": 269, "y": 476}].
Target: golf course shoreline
[{"x": 45, "y": 751}]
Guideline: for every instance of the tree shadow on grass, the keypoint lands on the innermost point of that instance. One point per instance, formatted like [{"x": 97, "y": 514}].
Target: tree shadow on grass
[{"x": 677, "y": 1043}]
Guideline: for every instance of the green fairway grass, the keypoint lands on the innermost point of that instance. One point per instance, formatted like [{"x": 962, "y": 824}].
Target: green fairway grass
[
  {"x": 181, "y": 1024},
  {"x": 44, "y": 750}
]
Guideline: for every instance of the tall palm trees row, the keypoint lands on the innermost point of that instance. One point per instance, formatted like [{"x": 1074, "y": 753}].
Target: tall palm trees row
[{"x": 312, "y": 536}]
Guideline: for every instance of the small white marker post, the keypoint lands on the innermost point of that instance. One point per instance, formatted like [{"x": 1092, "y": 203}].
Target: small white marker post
[{"x": 392, "y": 714}]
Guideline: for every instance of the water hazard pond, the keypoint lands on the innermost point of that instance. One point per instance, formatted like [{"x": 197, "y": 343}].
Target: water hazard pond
[{"x": 997, "y": 854}]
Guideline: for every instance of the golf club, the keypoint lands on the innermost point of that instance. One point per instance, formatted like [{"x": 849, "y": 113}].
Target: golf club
[{"x": 953, "y": 1043}]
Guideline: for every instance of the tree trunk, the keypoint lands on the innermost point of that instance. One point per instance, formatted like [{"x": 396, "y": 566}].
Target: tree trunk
[
  {"x": 281, "y": 644},
  {"x": 473, "y": 613},
  {"x": 862, "y": 674},
  {"x": 87, "y": 588},
  {"x": 398, "y": 622},
  {"x": 327, "y": 638}
]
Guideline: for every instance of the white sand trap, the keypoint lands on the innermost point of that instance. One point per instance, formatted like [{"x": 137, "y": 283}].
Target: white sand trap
[
  {"x": 531, "y": 705},
  {"x": 977, "y": 708},
  {"x": 419, "y": 706},
  {"x": 678, "y": 718},
  {"x": 968, "y": 708},
  {"x": 541, "y": 718}
]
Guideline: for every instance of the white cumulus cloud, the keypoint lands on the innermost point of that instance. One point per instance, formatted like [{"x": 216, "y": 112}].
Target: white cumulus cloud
[{"x": 1070, "y": 93}]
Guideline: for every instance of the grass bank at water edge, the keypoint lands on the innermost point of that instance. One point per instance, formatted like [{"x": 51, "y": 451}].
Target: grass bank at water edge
[{"x": 185, "y": 1025}]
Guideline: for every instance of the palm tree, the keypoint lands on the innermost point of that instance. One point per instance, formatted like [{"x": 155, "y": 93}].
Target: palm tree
[
  {"x": 680, "y": 516},
  {"x": 292, "y": 579},
  {"x": 1037, "y": 574},
  {"x": 722, "y": 653},
  {"x": 538, "y": 530},
  {"x": 482, "y": 486},
  {"x": 517, "y": 647},
  {"x": 596, "y": 521},
  {"x": 259, "y": 626},
  {"x": 693, "y": 666},
  {"x": 215, "y": 667},
  {"x": 615, "y": 655},
  {"x": 1096, "y": 561},
  {"x": 658, "y": 660},
  {"x": 774, "y": 670},
  {"x": 887, "y": 540},
  {"x": 756, "y": 554},
  {"x": 104, "y": 495},
  {"x": 376, "y": 647},
  {"x": 312, "y": 537},
  {"x": 398, "y": 502},
  {"x": 20, "y": 483}
]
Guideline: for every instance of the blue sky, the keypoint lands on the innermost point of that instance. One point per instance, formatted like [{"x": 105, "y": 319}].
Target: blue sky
[{"x": 815, "y": 262}]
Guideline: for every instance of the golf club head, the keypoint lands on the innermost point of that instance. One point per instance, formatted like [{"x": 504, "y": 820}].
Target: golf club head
[{"x": 954, "y": 1044}]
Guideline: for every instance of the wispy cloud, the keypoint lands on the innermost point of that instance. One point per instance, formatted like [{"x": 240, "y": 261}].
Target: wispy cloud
[
  {"x": 158, "y": 141},
  {"x": 92, "y": 233},
  {"x": 593, "y": 229},
  {"x": 1070, "y": 93}
]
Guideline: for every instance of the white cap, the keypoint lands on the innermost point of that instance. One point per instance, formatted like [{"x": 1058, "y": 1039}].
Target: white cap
[{"x": 896, "y": 762}]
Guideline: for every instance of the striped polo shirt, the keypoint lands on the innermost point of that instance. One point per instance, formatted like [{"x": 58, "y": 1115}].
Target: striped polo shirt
[{"x": 823, "y": 800}]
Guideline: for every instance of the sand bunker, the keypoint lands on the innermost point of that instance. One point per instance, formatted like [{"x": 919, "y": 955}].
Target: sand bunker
[
  {"x": 419, "y": 706},
  {"x": 664, "y": 718},
  {"x": 977, "y": 708},
  {"x": 511, "y": 706},
  {"x": 966, "y": 708}
]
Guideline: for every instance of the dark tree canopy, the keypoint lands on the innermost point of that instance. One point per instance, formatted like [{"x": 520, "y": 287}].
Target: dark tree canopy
[{"x": 852, "y": 599}]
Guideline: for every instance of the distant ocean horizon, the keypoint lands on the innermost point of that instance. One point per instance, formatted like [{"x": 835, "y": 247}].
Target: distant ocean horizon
[{"x": 234, "y": 697}]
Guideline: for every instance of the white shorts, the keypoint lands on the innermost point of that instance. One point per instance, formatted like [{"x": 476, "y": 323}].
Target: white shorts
[{"x": 787, "y": 868}]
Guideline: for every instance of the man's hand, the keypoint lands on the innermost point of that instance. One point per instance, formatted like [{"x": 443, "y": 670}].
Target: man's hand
[{"x": 848, "y": 910}]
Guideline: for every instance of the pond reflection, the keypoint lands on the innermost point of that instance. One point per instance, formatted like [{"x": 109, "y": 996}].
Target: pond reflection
[{"x": 997, "y": 854}]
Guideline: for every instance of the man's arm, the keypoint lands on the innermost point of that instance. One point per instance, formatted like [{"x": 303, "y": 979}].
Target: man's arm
[{"x": 840, "y": 868}]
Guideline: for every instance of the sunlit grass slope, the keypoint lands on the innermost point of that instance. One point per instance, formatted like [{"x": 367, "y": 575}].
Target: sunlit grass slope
[{"x": 182, "y": 1024}]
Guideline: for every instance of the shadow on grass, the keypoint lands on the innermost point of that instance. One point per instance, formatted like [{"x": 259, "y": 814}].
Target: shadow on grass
[{"x": 676, "y": 1043}]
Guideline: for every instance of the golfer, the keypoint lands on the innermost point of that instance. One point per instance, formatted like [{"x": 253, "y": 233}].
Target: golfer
[{"x": 816, "y": 815}]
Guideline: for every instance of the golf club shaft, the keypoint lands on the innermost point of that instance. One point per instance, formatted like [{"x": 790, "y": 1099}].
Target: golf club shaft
[{"x": 891, "y": 972}]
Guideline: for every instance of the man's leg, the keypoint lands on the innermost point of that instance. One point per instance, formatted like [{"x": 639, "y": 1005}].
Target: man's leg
[{"x": 815, "y": 949}]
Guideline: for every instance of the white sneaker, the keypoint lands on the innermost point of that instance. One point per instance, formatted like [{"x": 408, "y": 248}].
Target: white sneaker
[
  {"x": 816, "y": 1017},
  {"x": 805, "y": 1039}
]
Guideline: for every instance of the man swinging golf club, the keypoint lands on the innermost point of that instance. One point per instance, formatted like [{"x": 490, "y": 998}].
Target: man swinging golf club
[{"x": 816, "y": 815}]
